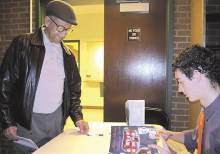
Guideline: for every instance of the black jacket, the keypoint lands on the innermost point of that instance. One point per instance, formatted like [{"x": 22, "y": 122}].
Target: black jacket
[{"x": 19, "y": 76}]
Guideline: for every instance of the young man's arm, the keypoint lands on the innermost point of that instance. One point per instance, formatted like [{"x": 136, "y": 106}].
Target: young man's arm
[
  {"x": 177, "y": 136},
  {"x": 188, "y": 138}
]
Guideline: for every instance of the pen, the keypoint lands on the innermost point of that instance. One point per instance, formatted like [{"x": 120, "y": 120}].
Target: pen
[{"x": 94, "y": 134}]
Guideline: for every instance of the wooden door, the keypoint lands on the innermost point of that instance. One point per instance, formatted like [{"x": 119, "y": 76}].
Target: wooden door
[{"x": 134, "y": 69}]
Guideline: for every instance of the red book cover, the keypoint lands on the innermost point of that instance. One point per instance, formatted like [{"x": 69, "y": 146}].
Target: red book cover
[{"x": 132, "y": 140}]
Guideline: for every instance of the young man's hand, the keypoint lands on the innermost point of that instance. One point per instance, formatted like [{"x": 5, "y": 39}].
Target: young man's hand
[
  {"x": 161, "y": 150},
  {"x": 165, "y": 134}
]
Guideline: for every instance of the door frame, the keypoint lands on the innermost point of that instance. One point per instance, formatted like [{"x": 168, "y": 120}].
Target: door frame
[{"x": 169, "y": 36}]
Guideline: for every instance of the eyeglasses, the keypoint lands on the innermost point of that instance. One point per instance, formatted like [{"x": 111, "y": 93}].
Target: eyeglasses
[{"x": 61, "y": 28}]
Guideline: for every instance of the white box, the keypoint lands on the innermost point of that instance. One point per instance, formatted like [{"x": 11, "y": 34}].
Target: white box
[{"x": 135, "y": 112}]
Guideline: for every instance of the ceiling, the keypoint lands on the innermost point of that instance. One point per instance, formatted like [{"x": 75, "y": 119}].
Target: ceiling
[{"x": 85, "y": 2}]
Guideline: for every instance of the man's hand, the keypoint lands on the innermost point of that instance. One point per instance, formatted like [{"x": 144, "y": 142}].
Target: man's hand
[
  {"x": 165, "y": 134},
  {"x": 10, "y": 133},
  {"x": 83, "y": 126},
  {"x": 161, "y": 150}
]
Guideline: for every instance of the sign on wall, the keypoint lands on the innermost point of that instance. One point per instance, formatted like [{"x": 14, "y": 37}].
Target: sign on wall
[{"x": 134, "y": 34}]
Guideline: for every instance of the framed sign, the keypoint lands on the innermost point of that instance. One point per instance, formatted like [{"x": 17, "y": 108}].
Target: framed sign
[
  {"x": 74, "y": 45},
  {"x": 134, "y": 34}
]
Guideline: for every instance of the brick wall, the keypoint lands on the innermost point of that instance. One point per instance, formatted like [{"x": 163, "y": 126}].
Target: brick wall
[
  {"x": 182, "y": 39},
  {"x": 14, "y": 20}
]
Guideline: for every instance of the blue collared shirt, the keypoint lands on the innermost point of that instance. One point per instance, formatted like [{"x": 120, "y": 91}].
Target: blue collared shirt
[{"x": 211, "y": 132}]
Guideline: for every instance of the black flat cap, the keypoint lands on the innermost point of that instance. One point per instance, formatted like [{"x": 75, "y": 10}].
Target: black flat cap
[{"x": 61, "y": 10}]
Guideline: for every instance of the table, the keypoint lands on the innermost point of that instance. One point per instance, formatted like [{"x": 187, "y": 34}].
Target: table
[{"x": 72, "y": 142}]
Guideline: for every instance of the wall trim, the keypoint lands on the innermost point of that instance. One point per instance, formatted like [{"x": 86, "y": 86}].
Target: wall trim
[
  {"x": 169, "y": 57},
  {"x": 92, "y": 107}
]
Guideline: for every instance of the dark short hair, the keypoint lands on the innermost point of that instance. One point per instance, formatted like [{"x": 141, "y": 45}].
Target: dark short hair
[{"x": 202, "y": 59}]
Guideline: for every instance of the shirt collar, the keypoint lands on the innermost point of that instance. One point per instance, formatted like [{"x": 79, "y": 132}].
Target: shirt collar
[
  {"x": 210, "y": 110},
  {"x": 46, "y": 39}
]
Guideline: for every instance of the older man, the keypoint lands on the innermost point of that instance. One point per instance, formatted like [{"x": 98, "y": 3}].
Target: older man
[{"x": 40, "y": 85}]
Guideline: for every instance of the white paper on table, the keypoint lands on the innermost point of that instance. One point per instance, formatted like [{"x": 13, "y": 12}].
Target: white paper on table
[{"x": 26, "y": 142}]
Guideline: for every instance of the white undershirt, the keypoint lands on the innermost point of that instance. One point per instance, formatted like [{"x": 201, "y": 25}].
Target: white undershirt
[{"x": 50, "y": 86}]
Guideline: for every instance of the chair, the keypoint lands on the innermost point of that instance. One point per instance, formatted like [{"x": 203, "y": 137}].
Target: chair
[{"x": 156, "y": 116}]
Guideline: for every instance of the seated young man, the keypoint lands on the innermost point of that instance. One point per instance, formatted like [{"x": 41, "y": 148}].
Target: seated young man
[{"x": 197, "y": 71}]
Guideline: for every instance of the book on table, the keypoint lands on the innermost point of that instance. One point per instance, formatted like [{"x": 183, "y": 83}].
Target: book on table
[{"x": 132, "y": 140}]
